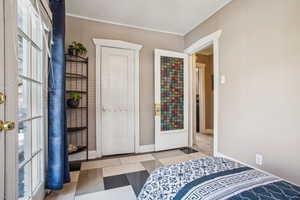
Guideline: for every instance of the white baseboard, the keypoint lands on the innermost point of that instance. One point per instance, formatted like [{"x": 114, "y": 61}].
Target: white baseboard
[
  {"x": 146, "y": 148},
  {"x": 82, "y": 156},
  {"x": 218, "y": 154}
]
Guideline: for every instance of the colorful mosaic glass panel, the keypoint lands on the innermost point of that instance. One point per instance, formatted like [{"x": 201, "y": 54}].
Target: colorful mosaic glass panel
[{"x": 172, "y": 93}]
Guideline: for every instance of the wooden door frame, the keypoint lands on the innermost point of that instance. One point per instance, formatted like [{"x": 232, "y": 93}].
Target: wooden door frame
[
  {"x": 201, "y": 44},
  {"x": 99, "y": 43}
]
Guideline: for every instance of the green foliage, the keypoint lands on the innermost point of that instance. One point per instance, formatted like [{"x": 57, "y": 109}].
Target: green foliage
[
  {"x": 75, "y": 96},
  {"x": 78, "y": 48}
]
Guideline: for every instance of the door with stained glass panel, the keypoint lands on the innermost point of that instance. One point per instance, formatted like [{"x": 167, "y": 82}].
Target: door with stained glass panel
[{"x": 171, "y": 100}]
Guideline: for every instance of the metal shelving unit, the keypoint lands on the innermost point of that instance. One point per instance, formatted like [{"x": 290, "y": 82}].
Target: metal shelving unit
[{"x": 77, "y": 118}]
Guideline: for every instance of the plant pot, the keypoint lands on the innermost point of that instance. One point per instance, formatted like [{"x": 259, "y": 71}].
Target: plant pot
[
  {"x": 73, "y": 103},
  {"x": 72, "y": 52}
]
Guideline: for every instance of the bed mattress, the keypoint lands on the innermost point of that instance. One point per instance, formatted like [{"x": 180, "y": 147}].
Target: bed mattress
[{"x": 215, "y": 178}]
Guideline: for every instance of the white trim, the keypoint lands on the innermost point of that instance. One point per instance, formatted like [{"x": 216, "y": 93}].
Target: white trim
[
  {"x": 122, "y": 24},
  {"x": 117, "y": 44},
  {"x": 124, "y": 45},
  {"x": 147, "y": 148},
  {"x": 218, "y": 154},
  {"x": 203, "y": 42},
  {"x": 202, "y": 107},
  {"x": 199, "y": 45}
]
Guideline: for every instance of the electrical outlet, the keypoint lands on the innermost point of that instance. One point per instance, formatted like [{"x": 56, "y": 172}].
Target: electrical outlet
[{"x": 259, "y": 159}]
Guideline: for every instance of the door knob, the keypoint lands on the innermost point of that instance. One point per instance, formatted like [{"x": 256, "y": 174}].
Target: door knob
[
  {"x": 2, "y": 98},
  {"x": 7, "y": 126},
  {"x": 157, "y": 109}
]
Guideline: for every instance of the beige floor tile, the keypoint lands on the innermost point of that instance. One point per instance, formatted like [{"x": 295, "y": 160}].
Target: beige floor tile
[
  {"x": 136, "y": 159},
  {"x": 122, "y": 169},
  {"x": 90, "y": 181},
  {"x": 167, "y": 154},
  {"x": 204, "y": 143},
  {"x": 100, "y": 164},
  {"x": 121, "y": 193},
  {"x": 175, "y": 160},
  {"x": 183, "y": 158},
  {"x": 151, "y": 165},
  {"x": 68, "y": 193},
  {"x": 74, "y": 176},
  {"x": 197, "y": 155}
]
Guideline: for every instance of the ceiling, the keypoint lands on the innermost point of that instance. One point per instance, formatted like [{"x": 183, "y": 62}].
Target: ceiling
[{"x": 172, "y": 16}]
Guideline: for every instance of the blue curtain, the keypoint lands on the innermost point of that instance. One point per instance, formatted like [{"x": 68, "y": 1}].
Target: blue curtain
[{"x": 58, "y": 166}]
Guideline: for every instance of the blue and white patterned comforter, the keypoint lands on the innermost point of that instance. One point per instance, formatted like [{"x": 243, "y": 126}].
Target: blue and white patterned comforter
[{"x": 215, "y": 178}]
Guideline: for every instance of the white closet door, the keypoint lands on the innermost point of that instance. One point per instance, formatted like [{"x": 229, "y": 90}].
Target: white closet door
[{"x": 117, "y": 101}]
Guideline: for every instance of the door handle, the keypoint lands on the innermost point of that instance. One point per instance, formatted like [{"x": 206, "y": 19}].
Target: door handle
[
  {"x": 7, "y": 126},
  {"x": 157, "y": 109},
  {"x": 2, "y": 98}
]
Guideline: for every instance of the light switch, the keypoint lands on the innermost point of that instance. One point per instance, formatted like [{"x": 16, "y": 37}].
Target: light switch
[
  {"x": 223, "y": 79},
  {"x": 259, "y": 159}
]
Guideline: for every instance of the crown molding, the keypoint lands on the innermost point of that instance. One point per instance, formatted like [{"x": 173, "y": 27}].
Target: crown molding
[
  {"x": 117, "y": 44},
  {"x": 121, "y": 24}
]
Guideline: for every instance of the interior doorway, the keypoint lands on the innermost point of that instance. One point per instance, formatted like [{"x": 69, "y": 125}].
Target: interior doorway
[{"x": 203, "y": 97}]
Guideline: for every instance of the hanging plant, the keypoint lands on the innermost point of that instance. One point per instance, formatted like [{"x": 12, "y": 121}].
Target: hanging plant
[
  {"x": 76, "y": 49},
  {"x": 74, "y": 100}
]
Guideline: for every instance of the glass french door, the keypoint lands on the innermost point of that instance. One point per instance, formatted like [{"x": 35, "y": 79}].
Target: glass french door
[
  {"x": 22, "y": 83},
  {"x": 31, "y": 129}
]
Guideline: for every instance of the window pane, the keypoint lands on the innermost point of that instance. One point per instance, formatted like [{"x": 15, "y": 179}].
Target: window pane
[
  {"x": 36, "y": 30},
  {"x": 24, "y": 99},
  {"x": 36, "y": 171},
  {"x": 23, "y": 19},
  {"x": 24, "y": 149},
  {"x": 37, "y": 71},
  {"x": 37, "y": 126},
  {"x": 37, "y": 102},
  {"x": 25, "y": 181},
  {"x": 23, "y": 56}
]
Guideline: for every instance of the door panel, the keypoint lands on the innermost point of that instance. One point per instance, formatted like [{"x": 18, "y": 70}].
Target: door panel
[
  {"x": 117, "y": 101},
  {"x": 171, "y": 100},
  {"x": 2, "y": 136},
  {"x": 11, "y": 88}
]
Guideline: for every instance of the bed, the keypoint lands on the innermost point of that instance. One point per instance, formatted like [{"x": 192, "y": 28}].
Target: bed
[{"x": 215, "y": 178}]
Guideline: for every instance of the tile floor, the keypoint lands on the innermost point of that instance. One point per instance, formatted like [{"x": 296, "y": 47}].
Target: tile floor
[
  {"x": 204, "y": 143},
  {"x": 118, "y": 177}
]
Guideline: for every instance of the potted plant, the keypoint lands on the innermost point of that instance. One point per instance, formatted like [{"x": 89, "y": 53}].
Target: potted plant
[
  {"x": 76, "y": 49},
  {"x": 74, "y": 100}
]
